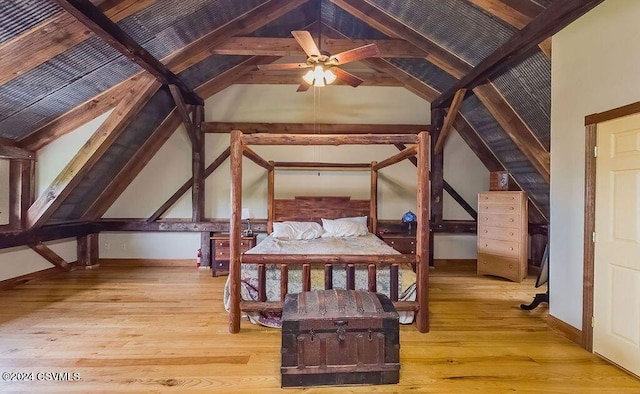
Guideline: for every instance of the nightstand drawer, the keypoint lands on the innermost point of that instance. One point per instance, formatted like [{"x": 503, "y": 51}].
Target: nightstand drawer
[
  {"x": 405, "y": 244},
  {"x": 221, "y": 251}
]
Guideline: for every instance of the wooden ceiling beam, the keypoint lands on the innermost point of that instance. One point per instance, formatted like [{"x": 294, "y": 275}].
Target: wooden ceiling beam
[
  {"x": 112, "y": 34},
  {"x": 228, "y": 77},
  {"x": 371, "y": 78},
  {"x": 517, "y": 13},
  {"x": 548, "y": 22},
  {"x": 515, "y": 128},
  {"x": 311, "y": 128},
  {"x": 69, "y": 178},
  {"x": 410, "y": 82},
  {"x": 133, "y": 167},
  {"x": 448, "y": 120},
  {"x": 13, "y": 152},
  {"x": 491, "y": 162},
  {"x": 390, "y": 26},
  {"x": 262, "y": 46},
  {"x": 244, "y": 24},
  {"x": 55, "y": 36},
  {"x": 78, "y": 116}
]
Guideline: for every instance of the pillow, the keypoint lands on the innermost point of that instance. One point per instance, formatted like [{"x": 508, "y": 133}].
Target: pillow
[
  {"x": 343, "y": 228},
  {"x": 297, "y": 230},
  {"x": 357, "y": 219}
]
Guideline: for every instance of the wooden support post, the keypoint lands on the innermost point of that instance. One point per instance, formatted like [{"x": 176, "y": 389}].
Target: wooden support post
[
  {"x": 271, "y": 176},
  {"x": 437, "y": 176},
  {"x": 235, "y": 229},
  {"x": 373, "y": 213},
  {"x": 88, "y": 250},
  {"x": 205, "y": 249},
  {"x": 197, "y": 190},
  {"x": 422, "y": 235}
]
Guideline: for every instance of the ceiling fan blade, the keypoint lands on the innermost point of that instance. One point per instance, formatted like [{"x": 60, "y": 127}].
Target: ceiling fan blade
[
  {"x": 307, "y": 42},
  {"x": 355, "y": 54},
  {"x": 303, "y": 87},
  {"x": 283, "y": 66},
  {"x": 347, "y": 77}
]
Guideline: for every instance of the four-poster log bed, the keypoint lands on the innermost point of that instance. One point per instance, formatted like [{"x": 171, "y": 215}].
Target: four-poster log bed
[{"x": 312, "y": 209}]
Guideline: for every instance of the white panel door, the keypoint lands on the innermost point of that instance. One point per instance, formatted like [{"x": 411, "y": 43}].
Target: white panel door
[{"x": 616, "y": 332}]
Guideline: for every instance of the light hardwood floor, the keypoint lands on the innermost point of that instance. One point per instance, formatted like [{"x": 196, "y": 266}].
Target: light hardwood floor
[{"x": 156, "y": 329}]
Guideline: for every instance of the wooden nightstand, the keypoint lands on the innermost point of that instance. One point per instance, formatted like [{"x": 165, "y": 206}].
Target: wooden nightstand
[
  {"x": 220, "y": 252},
  {"x": 402, "y": 242}
]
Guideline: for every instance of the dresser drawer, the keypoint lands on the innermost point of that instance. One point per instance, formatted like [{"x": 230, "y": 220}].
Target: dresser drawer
[
  {"x": 505, "y": 267},
  {"x": 500, "y": 233},
  {"x": 499, "y": 197},
  {"x": 499, "y": 220},
  {"x": 245, "y": 244},
  {"x": 497, "y": 247},
  {"x": 485, "y": 207}
]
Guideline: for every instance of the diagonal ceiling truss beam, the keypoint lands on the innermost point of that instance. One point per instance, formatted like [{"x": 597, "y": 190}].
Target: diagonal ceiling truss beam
[
  {"x": 69, "y": 178},
  {"x": 548, "y": 22},
  {"x": 390, "y": 26},
  {"x": 55, "y": 36},
  {"x": 112, "y": 34}
]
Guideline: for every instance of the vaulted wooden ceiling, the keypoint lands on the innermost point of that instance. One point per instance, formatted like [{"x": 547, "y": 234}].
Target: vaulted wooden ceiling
[{"x": 65, "y": 62}]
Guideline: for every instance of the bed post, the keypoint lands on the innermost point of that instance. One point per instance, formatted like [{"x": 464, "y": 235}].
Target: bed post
[
  {"x": 271, "y": 175},
  {"x": 373, "y": 213},
  {"x": 422, "y": 236},
  {"x": 235, "y": 227}
]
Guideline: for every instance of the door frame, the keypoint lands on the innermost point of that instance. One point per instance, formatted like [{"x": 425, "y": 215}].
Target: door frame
[{"x": 591, "y": 135}]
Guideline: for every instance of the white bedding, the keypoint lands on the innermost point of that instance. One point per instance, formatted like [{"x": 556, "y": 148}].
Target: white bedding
[{"x": 364, "y": 245}]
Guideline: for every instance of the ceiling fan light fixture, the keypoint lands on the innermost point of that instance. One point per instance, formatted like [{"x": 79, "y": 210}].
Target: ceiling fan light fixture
[
  {"x": 308, "y": 77},
  {"x": 329, "y": 76},
  {"x": 318, "y": 74}
]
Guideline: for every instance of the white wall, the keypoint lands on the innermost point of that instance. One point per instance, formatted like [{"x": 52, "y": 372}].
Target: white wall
[
  {"x": 280, "y": 103},
  {"x": 594, "y": 69},
  {"x": 51, "y": 160}
]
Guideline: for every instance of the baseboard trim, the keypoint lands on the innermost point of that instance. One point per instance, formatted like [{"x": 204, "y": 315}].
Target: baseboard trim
[
  {"x": 30, "y": 277},
  {"x": 567, "y": 330},
  {"x": 150, "y": 262}
]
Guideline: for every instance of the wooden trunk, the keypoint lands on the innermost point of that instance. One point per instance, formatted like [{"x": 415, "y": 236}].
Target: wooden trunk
[{"x": 339, "y": 337}]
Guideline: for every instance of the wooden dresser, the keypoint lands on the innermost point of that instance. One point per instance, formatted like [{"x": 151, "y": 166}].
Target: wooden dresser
[
  {"x": 220, "y": 252},
  {"x": 502, "y": 234}
]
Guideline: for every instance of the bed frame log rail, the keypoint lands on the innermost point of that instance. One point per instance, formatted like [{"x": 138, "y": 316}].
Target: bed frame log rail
[{"x": 239, "y": 148}]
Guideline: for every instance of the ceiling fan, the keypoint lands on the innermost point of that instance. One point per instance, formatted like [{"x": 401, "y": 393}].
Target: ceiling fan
[{"x": 323, "y": 66}]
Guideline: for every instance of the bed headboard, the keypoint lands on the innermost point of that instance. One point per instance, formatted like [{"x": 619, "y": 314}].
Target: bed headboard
[{"x": 313, "y": 208}]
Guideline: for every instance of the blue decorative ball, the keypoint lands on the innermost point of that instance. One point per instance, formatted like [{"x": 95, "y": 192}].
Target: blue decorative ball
[{"x": 409, "y": 217}]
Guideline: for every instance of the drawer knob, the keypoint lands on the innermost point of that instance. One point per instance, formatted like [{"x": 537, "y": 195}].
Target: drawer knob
[
  {"x": 220, "y": 253},
  {"x": 220, "y": 244},
  {"x": 486, "y": 219},
  {"x": 512, "y": 208},
  {"x": 412, "y": 243},
  {"x": 511, "y": 220},
  {"x": 510, "y": 265},
  {"x": 392, "y": 243},
  {"x": 486, "y": 231},
  {"x": 486, "y": 245},
  {"x": 413, "y": 252},
  {"x": 484, "y": 261},
  {"x": 510, "y": 248},
  {"x": 511, "y": 233},
  {"x": 241, "y": 243}
]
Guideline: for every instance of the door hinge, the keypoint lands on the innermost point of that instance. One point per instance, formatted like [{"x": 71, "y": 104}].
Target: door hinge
[
  {"x": 593, "y": 237},
  {"x": 595, "y": 151},
  {"x": 593, "y": 321}
]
